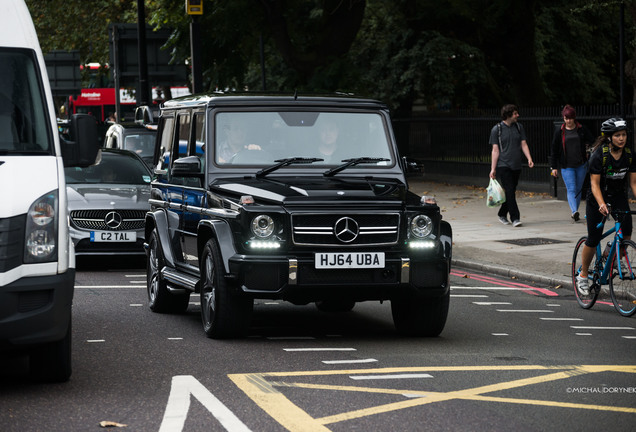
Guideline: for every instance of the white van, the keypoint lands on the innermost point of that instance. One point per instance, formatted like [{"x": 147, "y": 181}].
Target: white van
[{"x": 37, "y": 261}]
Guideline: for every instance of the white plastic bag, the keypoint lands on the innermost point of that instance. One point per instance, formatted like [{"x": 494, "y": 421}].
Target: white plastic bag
[{"x": 496, "y": 195}]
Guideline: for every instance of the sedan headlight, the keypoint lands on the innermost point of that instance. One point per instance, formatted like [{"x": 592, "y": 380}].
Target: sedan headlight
[
  {"x": 262, "y": 226},
  {"x": 421, "y": 226},
  {"x": 41, "y": 230}
]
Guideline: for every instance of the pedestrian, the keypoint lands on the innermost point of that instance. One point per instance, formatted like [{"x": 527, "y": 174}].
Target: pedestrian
[
  {"x": 509, "y": 144},
  {"x": 612, "y": 169},
  {"x": 570, "y": 144}
]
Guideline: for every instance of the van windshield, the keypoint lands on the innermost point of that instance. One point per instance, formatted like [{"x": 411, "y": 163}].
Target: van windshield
[{"x": 24, "y": 123}]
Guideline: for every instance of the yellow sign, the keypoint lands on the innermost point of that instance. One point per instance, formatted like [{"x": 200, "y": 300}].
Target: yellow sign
[{"x": 194, "y": 7}]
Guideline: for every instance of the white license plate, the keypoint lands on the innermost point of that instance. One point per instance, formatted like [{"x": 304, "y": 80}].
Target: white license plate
[
  {"x": 332, "y": 260},
  {"x": 113, "y": 236}
]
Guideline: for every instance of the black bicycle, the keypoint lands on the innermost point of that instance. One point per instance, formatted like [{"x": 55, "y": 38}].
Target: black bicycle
[{"x": 614, "y": 266}]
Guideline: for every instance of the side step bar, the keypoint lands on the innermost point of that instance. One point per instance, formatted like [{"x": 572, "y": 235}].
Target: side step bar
[{"x": 182, "y": 280}]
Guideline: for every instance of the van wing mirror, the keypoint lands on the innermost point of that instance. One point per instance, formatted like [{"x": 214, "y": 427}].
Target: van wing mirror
[{"x": 83, "y": 149}]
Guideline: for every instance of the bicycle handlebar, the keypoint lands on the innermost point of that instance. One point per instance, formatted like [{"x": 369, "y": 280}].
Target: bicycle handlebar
[{"x": 614, "y": 213}]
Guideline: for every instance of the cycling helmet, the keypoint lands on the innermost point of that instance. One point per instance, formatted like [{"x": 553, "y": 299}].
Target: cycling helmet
[{"x": 615, "y": 124}]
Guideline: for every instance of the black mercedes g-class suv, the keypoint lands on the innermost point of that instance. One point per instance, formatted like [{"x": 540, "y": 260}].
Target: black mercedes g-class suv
[{"x": 298, "y": 198}]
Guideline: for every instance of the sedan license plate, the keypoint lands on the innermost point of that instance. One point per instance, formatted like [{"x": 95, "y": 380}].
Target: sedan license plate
[
  {"x": 339, "y": 260},
  {"x": 113, "y": 236}
]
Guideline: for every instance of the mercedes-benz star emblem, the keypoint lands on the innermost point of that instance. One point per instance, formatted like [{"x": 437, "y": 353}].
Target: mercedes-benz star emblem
[
  {"x": 346, "y": 229},
  {"x": 112, "y": 220}
]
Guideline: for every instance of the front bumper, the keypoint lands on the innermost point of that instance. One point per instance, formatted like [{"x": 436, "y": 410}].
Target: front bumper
[
  {"x": 291, "y": 277},
  {"x": 35, "y": 310},
  {"x": 84, "y": 246}
]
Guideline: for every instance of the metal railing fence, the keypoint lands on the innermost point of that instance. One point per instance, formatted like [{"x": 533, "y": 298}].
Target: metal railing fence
[{"x": 456, "y": 143}]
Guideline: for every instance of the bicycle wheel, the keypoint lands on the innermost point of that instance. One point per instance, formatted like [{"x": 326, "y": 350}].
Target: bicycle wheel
[
  {"x": 623, "y": 286},
  {"x": 587, "y": 301}
]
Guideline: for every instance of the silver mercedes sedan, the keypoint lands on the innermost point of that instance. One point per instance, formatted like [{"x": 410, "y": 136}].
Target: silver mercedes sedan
[{"x": 107, "y": 204}]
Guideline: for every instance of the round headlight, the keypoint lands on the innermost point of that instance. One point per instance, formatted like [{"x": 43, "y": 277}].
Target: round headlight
[
  {"x": 421, "y": 226},
  {"x": 262, "y": 226}
]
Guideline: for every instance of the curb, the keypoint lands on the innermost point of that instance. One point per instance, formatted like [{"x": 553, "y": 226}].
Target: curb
[{"x": 513, "y": 273}]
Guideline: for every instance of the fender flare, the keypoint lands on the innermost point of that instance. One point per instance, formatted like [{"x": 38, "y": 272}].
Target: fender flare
[
  {"x": 222, "y": 232},
  {"x": 446, "y": 238},
  {"x": 159, "y": 224}
]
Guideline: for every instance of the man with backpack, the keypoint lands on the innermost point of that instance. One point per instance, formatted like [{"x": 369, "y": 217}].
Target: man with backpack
[{"x": 508, "y": 140}]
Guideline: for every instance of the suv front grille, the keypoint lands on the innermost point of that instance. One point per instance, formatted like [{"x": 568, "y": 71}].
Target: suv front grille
[
  {"x": 351, "y": 229},
  {"x": 96, "y": 220}
]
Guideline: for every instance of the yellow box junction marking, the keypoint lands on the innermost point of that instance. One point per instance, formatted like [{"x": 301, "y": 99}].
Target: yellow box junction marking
[{"x": 265, "y": 394}]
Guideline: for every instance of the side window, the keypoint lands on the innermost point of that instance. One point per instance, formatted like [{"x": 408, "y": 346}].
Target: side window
[
  {"x": 165, "y": 142},
  {"x": 199, "y": 138},
  {"x": 183, "y": 134}
]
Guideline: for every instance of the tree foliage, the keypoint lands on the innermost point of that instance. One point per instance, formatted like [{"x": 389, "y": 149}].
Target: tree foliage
[{"x": 436, "y": 53}]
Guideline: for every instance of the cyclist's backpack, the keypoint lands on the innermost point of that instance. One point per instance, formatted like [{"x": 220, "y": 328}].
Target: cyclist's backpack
[{"x": 606, "y": 152}]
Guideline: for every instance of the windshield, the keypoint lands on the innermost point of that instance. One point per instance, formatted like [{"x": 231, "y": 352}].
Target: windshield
[
  {"x": 260, "y": 138},
  {"x": 142, "y": 143},
  {"x": 114, "y": 168},
  {"x": 24, "y": 124}
]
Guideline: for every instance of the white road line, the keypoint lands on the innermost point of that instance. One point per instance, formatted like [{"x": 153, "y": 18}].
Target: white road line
[
  {"x": 492, "y": 288},
  {"x": 106, "y": 286},
  {"x": 396, "y": 376},
  {"x": 140, "y": 275},
  {"x": 469, "y": 295},
  {"x": 175, "y": 338},
  {"x": 526, "y": 310},
  {"x": 318, "y": 349},
  {"x": 553, "y": 305},
  {"x": 491, "y": 303},
  {"x": 185, "y": 386},
  {"x": 291, "y": 338},
  {"x": 370, "y": 360},
  {"x": 95, "y": 340},
  {"x": 583, "y": 334},
  {"x": 561, "y": 319},
  {"x": 628, "y": 337},
  {"x": 135, "y": 304},
  {"x": 601, "y": 328},
  {"x": 500, "y": 334}
]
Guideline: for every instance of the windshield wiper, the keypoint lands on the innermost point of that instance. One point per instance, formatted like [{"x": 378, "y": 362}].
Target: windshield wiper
[
  {"x": 351, "y": 162},
  {"x": 284, "y": 162}
]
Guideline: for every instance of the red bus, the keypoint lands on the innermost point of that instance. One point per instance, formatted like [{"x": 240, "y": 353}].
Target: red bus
[{"x": 100, "y": 102}]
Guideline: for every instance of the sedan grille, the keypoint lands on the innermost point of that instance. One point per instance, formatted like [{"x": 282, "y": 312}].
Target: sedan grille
[
  {"x": 351, "y": 229},
  {"x": 108, "y": 220}
]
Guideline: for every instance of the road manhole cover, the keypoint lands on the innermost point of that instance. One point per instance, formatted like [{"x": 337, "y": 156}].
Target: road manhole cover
[{"x": 534, "y": 241}]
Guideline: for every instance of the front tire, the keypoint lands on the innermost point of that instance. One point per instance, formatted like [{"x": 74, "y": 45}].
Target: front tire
[
  {"x": 161, "y": 300},
  {"x": 420, "y": 316},
  {"x": 623, "y": 288},
  {"x": 224, "y": 314},
  {"x": 52, "y": 362}
]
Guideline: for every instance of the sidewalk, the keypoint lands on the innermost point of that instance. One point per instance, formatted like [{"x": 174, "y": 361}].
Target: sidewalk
[{"x": 539, "y": 251}]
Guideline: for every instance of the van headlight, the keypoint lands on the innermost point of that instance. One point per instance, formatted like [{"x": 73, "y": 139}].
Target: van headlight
[
  {"x": 421, "y": 226},
  {"x": 41, "y": 230}
]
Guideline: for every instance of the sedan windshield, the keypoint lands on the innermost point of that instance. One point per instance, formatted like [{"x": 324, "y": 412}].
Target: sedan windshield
[
  {"x": 261, "y": 138},
  {"x": 114, "y": 168}
]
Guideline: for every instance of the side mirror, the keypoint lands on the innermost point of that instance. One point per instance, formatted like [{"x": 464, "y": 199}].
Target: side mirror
[
  {"x": 412, "y": 167},
  {"x": 189, "y": 166},
  {"x": 83, "y": 149}
]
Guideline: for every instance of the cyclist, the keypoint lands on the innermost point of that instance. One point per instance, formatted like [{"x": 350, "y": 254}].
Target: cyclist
[{"x": 612, "y": 169}]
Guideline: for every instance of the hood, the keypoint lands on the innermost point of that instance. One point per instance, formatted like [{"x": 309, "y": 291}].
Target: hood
[
  {"x": 81, "y": 196},
  {"x": 289, "y": 190}
]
